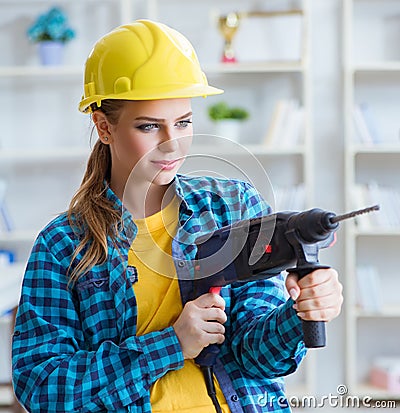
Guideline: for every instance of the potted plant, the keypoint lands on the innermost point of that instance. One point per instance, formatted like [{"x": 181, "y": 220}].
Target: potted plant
[
  {"x": 51, "y": 31},
  {"x": 227, "y": 119}
]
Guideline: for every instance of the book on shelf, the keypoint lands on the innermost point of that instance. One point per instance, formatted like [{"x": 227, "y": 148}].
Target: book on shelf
[
  {"x": 290, "y": 198},
  {"x": 385, "y": 373},
  {"x": 286, "y": 126},
  {"x": 369, "y": 289},
  {"x": 366, "y": 128},
  {"x": 6, "y": 223},
  {"x": 387, "y": 197},
  {"x": 368, "y": 131},
  {"x": 7, "y": 257}
]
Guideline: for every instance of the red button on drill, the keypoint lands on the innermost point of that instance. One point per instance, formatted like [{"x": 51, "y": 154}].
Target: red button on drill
[
  {"x": 268, "y": 248},
  {"x": 215, "y": 290}
]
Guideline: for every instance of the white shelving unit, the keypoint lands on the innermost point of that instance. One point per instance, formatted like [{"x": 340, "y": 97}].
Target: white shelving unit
[
  {"x": 256, "y": 85},
  {"x": 372, "y": 76}
]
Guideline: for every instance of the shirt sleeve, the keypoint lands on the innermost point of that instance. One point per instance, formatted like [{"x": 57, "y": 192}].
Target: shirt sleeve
[
  {"x": 253, "y": 204},
  {"x": 54, "y": 371},
  {"x": 268, "y": 338}
]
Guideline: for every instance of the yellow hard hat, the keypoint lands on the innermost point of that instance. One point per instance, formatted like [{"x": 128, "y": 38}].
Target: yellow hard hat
[{"x": 144, "y": 60}]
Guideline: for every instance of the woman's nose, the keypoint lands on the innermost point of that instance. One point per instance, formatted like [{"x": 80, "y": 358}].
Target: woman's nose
[{"x": 169, "y": 142}]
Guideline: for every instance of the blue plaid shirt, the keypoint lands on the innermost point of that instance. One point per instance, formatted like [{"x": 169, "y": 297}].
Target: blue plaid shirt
[{"x": 75, "y": 349}]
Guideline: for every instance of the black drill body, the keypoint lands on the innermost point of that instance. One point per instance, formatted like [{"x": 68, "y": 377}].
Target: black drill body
[
  {"x": 274, "y": 242},
  {"x": 261, "y": 248}
]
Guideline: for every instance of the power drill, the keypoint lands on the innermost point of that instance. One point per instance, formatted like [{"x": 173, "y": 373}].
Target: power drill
[{"x": 261, "y": 248}]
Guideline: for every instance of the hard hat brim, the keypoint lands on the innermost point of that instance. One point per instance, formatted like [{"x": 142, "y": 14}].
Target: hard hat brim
[{"x": 199, "y": 90}]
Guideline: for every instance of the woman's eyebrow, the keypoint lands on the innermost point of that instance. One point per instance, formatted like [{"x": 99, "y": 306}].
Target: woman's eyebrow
[
  {"x": 151, "y": 119},
  {"x": 186, "y": 115}
]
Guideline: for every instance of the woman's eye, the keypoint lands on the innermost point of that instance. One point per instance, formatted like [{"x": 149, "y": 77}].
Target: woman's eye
[
  {"x": 147, "y": 127},
  {"x": 184, "y": 123}
]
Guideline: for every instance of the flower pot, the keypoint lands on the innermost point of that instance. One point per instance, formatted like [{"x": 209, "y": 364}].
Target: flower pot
[
  {"x": 228, "y": 128},
  {"x": 51, "y": 53}
]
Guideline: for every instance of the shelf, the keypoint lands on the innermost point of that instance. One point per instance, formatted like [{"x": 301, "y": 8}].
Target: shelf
[
  {"x": 40, "y": 71},
  {"x": 262, "y": 67},
  {"x": 10, "y": 281},
  {"x": 296, "y": 391},
  {"x": 393, "y": 66},
  {"x": 266, "y": 150},
  {"x": 6, "y": 395},
  {"x": 212, "y": 69},
  {"x": 80, "y": 154},
  {"x": 12, "y": 270},
  {"x": 35, "y": 2},
  {"x": 242, "y": 149},
  {"x": 387, "y": 312},
  {"x": 17, "y": 236},
  {"x": 60, "y": 154},
  {"x": 380, "y": 149},
  {"x": 375, "y": 392},
  {"x": 377, "y": 232}
]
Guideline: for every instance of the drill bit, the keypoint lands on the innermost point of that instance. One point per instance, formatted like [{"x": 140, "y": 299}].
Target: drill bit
[{"x": 353, "y": 214}]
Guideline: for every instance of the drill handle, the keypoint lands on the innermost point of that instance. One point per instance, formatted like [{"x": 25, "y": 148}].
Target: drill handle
[
  {"x": 313, "y": 331},
  {"x": 209, "y": 354}
]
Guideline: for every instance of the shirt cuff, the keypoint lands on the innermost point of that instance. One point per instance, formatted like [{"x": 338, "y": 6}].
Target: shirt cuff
[
  {"x": 290, "y": 331},
  {"x": 162, "y": 352}
]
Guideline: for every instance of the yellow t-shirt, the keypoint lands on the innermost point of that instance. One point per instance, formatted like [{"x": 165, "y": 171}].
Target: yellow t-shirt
[{"x": 159, "y": 305}]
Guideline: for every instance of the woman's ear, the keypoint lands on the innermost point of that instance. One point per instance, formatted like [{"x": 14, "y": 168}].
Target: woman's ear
[{"x": 103, "y": 126}]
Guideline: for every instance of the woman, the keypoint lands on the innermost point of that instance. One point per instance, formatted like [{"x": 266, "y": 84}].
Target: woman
[{"x": 101, "y": 325}]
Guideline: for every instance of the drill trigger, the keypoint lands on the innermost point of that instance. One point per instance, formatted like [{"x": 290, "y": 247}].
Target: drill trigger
[{"x": 215, "y": 290}]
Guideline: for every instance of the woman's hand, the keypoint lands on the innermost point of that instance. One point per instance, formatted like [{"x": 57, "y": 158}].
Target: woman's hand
[
  {"x": 318, "y": 295},
  {"x": 200, "y": 324}
]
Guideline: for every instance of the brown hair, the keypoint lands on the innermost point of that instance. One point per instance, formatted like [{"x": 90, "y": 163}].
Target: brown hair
[{"x": 90, "y": 213}]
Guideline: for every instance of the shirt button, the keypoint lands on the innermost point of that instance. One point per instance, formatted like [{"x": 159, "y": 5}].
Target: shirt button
[
  {"x": 235, "y": 398},
  {"x": 17, "y": 333},
  {"x": 129, "y": 232},
  {"x": 181, "y": 264}
]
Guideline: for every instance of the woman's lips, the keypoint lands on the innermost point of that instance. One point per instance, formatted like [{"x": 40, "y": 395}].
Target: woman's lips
[{"x": 166, "y": 165}]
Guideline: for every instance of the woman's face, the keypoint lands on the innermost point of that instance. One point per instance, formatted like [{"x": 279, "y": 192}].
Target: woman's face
[{"x": 150, "y": 141}]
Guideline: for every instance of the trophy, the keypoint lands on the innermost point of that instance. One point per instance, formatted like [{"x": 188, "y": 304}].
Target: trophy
[{"x": 228, "y": 25}]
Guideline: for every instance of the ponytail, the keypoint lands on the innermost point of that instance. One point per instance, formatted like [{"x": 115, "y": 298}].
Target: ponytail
[{"x": 90, "y": 213}]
